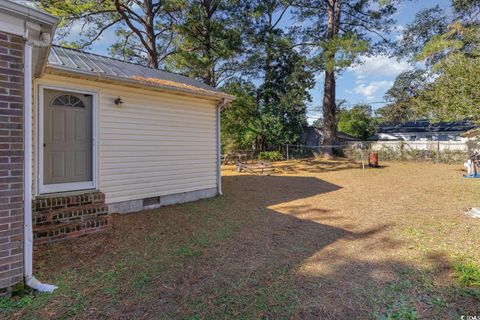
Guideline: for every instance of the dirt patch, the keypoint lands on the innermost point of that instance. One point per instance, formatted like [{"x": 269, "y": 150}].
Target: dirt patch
[{"x": 318, "y": 239}]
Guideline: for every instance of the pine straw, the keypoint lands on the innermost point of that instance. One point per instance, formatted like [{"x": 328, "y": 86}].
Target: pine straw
[
  {"x": 173, "y": 84},
  {"x": 319, "y": 239}
]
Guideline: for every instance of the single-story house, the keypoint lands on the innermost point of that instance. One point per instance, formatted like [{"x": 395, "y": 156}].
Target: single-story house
[
  {"x": 84, "y": 136},
  {"x": 424, "y": 130}
]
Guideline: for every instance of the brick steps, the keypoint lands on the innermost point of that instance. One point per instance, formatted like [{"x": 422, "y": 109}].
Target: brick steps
[
  {"x": 64, "y": 215},
  {"x": 63, "y": 231},
  {"x": 67, "y": 216}
]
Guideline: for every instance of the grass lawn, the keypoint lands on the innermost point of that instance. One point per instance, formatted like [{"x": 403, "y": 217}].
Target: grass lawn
[{"x": 323, "y": 239}]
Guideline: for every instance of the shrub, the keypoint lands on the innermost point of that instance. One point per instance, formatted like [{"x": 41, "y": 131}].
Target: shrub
[{"x": 270, "y": 156}]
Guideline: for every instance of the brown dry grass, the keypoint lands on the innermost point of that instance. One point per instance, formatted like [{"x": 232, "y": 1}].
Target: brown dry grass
[{"x": 319, "y": 239}]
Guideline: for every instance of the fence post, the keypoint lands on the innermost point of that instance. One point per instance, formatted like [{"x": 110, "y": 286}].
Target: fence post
[
  {"x": 288, "y": 158},
  {"x": 362, "y": 150},
  {"x": 438, "y": 150}
]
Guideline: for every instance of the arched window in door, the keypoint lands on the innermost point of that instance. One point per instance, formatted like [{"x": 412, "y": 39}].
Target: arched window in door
[{"x": 68, "y": 100}]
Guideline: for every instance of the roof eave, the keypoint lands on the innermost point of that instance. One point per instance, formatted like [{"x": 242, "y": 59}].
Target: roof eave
[
  {"x": 98, "y": 76},
  {"x": 30, "y": 13}
]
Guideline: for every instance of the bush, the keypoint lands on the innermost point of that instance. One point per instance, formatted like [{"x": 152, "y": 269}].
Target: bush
[{"x": 270, "y": 156}]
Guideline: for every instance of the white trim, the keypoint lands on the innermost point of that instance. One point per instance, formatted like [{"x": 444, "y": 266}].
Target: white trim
[
  {"x": 219, "y": 151},
  {"x": 13, "y": 29},
  {"x": 74, "y": 186},
  {"x": 28, "y": 13},
  {"x": 222, "y": 104},
  {"x": 64, "y": 187}
]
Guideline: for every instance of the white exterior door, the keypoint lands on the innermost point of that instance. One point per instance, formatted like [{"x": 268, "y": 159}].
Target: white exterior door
[{"x": 67, "y": 140}]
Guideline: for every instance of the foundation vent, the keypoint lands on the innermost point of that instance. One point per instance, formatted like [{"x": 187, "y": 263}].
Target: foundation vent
[{"x": 147, "y": 202}]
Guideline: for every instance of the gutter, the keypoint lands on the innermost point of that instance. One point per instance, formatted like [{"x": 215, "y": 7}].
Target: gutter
[
  {"x": 135, "y": 83},
  {"x": 30, "y": 279},
  {"x": 31, "y": 14}
]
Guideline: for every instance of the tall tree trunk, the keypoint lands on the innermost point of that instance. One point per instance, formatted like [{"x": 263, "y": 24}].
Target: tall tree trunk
[
  {"x": 209, "y": 7},
  {"x": 329, "y": 112},
  {"x": 150, "y": 42},
  {"x": 152, "y": 51},
  {"x": 329, "y": 107}
]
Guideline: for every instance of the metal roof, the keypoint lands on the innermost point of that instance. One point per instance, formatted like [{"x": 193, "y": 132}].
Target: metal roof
[
  {"x": 101, "y": 67},
  {"x": 426, "y": 126}
]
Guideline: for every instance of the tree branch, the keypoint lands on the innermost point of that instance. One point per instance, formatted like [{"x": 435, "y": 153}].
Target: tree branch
[
  {"x": 100, "y": 32},
  {"x": 125, "y": 17}
]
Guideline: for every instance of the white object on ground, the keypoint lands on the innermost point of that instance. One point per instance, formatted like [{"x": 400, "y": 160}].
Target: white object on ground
[
  {"x": 471, "y": 168},
  {"x": 473, "y": 212},
  {"x": 33, "y": 283}
]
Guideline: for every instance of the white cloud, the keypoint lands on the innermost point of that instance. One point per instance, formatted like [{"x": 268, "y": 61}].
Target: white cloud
[
  {"x": 398, "y": 28},
  {"x": 369, "y": 90},
  {"x": 398, "y": 31},
  {"x": 380, "y": 65}
]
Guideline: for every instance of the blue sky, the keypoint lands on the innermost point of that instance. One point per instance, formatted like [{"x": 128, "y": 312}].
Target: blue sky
[
  {"x": 369, "y": 81},
  {"x": 366, "y": 82}
]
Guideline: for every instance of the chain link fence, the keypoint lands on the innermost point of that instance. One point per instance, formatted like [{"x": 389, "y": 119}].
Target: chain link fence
[{"x": 437, "y": 151}]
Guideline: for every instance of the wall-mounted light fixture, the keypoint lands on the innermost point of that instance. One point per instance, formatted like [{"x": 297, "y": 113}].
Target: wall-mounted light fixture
[{"x": 118, "y": 101}]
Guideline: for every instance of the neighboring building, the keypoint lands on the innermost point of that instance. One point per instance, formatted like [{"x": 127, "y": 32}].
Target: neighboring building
[
  {"x": 313, "y": 136},
  {"x": 423, "y": 130},
  {"x": 84, "y": 136}
]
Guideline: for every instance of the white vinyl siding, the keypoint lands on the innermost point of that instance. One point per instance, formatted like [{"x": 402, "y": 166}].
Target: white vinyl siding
[{"x": 153, "y": 144}]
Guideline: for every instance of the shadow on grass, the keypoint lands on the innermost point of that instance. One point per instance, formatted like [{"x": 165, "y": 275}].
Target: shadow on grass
[{"x": 237, "y": 256}]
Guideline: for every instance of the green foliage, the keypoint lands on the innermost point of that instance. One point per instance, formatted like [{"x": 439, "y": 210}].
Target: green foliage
[
  {"x": 318, "y": 123},
  {"x": 345, "y": 49},
  {"x": 143, "y": 29},
  {"x": 401, "y": 152},
  {"x": 241, "y": 119},
  {"x": 406, "y": 87},
  {"x": 272, "y": 114},
  {"x": 357, "y": 121},
  {"x": 337, "y": 33},
  {"x": 208, "y": 41},
  {"x": 7, "y": 303},
  {"x": 468, "y": 273},
  {"x": 451, "y": 51},
  {"x": 270, "y": 156},
  {"x": 283, "y": 99},
  {"x": 454, "y": 93},
  {"x": 403, "y": 313},
  {"x": 427, "y": 24},
  {"x": 457, "y": 38}
]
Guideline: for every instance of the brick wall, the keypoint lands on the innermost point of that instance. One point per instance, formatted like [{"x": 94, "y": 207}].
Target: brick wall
[
  {"x": 11, "y": 160},
  {"x": 67, "y": 216}
]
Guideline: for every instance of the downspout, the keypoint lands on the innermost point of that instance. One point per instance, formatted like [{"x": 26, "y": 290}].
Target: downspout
[
  {"x": 30, "y": 279},
  {"x": 220, "y": 106}
]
